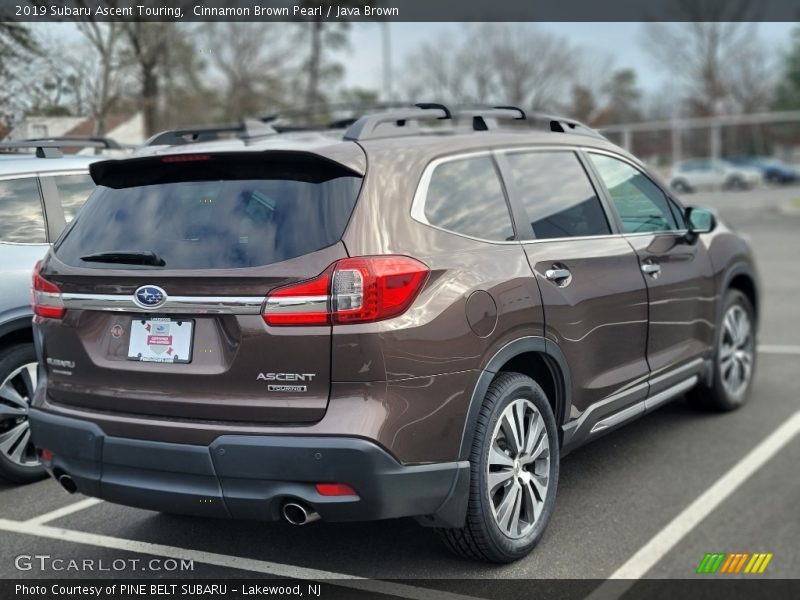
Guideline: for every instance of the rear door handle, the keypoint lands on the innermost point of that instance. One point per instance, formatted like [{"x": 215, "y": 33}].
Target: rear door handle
[
  {"x": 561, "y": 277},
  {"x": 651, "y": 269}
]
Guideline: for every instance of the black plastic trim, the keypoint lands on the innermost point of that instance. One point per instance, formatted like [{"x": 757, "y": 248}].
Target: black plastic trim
[
  {"x": 16, "y": 324},
  {"x": 555, "y": 360},
  {"x": 249, "y": 477}
]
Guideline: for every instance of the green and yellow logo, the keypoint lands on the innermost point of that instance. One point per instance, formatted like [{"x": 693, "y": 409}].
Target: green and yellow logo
[{"x": 737, "y": 562}]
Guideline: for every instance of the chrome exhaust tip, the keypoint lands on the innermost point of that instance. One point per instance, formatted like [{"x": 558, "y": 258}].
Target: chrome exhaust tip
[
  {"x": 297, "y": 514},
  {"x": 67, "y": 483}
]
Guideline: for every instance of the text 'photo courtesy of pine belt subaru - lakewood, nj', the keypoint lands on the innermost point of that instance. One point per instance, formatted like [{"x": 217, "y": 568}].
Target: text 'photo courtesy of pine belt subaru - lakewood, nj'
[{"x": 417, "y": 316}]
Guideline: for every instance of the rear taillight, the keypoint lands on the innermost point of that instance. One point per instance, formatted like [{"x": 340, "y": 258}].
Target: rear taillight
[
  {"x": 352, "y": 290},
  {"x": 46, "y": 296}
]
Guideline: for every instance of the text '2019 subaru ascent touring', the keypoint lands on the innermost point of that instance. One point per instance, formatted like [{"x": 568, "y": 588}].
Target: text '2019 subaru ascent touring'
[{"x": 416, "y": 317}]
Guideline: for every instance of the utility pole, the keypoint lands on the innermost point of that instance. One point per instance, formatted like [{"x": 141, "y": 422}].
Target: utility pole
[{"x": 388, "y": 94}]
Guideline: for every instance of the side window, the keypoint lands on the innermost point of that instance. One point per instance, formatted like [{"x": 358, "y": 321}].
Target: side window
[
  {"x": 557, "y": 195},
  {"x": 641, "y": 204},
  {"x": 21, "y": 206},
  {"x": 465, "y": 196},
  {"x": 73, "y": 190}
]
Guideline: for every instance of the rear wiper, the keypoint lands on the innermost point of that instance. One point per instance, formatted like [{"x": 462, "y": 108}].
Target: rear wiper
[{"x": 127, "y": 258}]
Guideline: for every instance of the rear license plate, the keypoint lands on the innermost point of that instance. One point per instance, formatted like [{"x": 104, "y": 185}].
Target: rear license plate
[{"x": 161, "y": 340}]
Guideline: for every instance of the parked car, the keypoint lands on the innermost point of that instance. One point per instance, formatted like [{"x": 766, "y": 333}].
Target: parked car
[
  {"x": 38, "y": 196},
  {"x": 698, "y": 173},
  {"x": 379, "y": 323},
  {"x": 772, "y": 170}
]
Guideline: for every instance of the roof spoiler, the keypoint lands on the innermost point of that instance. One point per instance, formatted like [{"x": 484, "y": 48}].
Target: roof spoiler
[{"x": 214, "y": 166}]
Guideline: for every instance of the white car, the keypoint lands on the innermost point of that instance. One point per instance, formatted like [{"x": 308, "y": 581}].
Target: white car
[{"x": 698, "y": 173}]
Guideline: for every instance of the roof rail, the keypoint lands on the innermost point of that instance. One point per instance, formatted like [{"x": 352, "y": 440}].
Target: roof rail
[
  {"x": 567, "y": 125},
  {"x": 93, "y": 141},
  {"x": 206, "y": 133},
  {"x": 402, "y": 121},
  {"x": 51, "y": 147},
  {"x": 484, "y": 119}
]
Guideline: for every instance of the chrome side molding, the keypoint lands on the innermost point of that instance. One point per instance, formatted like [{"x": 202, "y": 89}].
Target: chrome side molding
[
  {"x": 230, "y": 305},
  {"x": 646, "y": 405}
]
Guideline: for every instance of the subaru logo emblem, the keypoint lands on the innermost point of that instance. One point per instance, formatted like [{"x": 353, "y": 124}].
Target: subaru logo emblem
[{"x": 150, "y": 296}]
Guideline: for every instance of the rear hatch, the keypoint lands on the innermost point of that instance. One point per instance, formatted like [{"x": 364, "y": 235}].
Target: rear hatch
[{"x": 163, "y": 277}]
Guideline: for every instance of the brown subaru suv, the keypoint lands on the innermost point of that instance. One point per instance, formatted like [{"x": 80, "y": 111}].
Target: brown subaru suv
[{"x": 416, "y": 317}]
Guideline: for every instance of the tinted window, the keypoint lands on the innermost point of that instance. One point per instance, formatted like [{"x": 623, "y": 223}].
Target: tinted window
[
  {"x": 465, "y": 196},
  {"x": 557, "y": 195},
  {"x": 213, "y": 224},
  {"x": 641, "y": 204},
  {"x": 73, "y": 190},
  {"x": 21, "y": 209}
]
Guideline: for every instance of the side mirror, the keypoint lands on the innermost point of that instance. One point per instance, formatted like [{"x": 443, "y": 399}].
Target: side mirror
[{"x": 698, "y": 220}]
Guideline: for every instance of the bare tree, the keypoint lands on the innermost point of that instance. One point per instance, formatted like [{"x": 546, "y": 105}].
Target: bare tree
[
  {"x": 16, "y": 46},
  {"x": 148, "y": 47},
  {"x": 622, "y": 98},
  {"x": 492, "y": 62},
  {"x": 533, "y": 67},
  {"x": 705, "y": 55},
  {"x": 106, "y": 79},
  {"x": 322, "y": 37},
  {"x": 254, "y": 61}
]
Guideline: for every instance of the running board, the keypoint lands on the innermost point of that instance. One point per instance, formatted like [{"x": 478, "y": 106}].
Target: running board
[{"x": 646, "y": 405}]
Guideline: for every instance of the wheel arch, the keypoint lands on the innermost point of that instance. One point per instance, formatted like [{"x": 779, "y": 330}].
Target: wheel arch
[
  {"x": 741, "y": 278},
  {"x": 16, "y": 331},
  {"x": 539, "y": 358}
]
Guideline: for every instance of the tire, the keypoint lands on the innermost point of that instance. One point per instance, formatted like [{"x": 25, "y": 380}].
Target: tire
[
  {"x": 735, "y": 183},
  {"x": 731, "y": 353},
  {"x": 18, "y": 460},
  {"x": 681, "y": 186},
  {"x": 484, "y": 537}
]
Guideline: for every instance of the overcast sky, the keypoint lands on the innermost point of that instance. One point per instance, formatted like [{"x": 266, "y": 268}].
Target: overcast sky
[{"x": 619, "y": 41}]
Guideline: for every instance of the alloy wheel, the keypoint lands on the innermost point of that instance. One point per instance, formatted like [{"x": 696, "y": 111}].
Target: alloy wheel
[
  {"x": 16, "y": 393},
  {"x": 518, "y": 468},
  {"x": 736, "y": 350}
]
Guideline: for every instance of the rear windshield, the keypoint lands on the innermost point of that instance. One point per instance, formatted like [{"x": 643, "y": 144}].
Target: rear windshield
[{"x": 212, "y": 224}]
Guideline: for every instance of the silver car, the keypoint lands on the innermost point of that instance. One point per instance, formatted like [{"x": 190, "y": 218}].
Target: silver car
[
  {"x": 710, "y": 173},
  {"x": 39, "y": 195}
]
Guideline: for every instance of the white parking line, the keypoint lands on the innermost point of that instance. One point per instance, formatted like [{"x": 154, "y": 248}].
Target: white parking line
[
  {"x": 232, "y": 562},
  {"x": 778, "y": 349},
  {"x": 63, "y": 511},
  {"x": 666, "y": 539}
]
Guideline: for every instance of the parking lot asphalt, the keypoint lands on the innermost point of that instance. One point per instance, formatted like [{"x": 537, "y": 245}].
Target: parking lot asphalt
[{"x": 620, "y": 499}]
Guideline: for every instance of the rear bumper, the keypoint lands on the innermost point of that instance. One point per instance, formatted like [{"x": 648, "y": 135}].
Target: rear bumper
[{"x": 250, "y": 477}]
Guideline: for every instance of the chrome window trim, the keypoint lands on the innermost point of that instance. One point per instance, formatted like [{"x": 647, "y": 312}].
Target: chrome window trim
[
  {"x": 418, "y": 203},
  {"x": 230, "y": 305}
]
